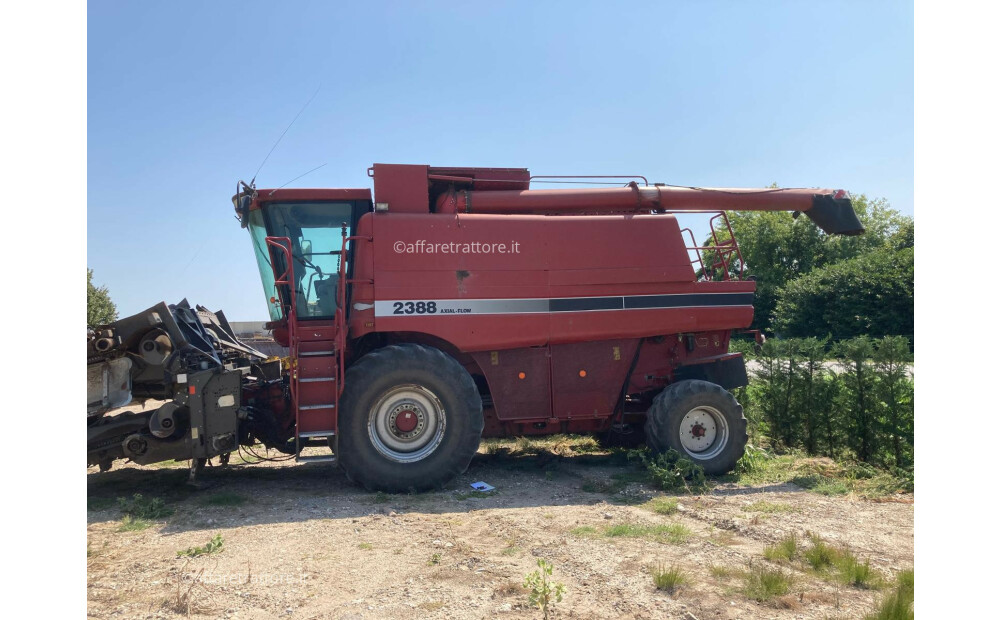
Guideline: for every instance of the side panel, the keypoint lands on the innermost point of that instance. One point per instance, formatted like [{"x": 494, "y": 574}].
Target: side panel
[
  {"x": 587, "y": 377},
  {"x": 519, "y": 382},
  {"x": 495, "y": 282}
]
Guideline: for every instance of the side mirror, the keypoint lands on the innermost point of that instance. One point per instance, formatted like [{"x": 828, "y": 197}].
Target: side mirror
[{"x": 306, "y": 247}]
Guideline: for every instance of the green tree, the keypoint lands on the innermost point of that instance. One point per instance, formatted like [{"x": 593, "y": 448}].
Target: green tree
[
  {"x": 778, "y": 248},
  {"x": 100, "y": 309},
  {"x": 871, "y": 294},
  {"x": 858, "y": 398},
  {"x": 895, "y": 397}
]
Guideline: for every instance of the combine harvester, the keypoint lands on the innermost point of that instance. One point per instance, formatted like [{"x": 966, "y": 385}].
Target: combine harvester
[{"x": 458, "y": 304}]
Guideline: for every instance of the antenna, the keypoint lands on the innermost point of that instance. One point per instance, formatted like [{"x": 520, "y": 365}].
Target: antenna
[
  {"x": 296, "y": 179},
  {"x": 283, "y": 135}
]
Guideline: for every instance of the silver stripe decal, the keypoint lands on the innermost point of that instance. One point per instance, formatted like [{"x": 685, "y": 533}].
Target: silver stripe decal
[{"x": 559, "y": 305}]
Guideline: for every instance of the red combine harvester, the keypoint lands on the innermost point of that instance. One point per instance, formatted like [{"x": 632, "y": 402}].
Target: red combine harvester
[{"x": 460, "y": 304}]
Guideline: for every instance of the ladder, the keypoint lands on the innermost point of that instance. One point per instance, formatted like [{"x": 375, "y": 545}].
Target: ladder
[{"x": 314, "y": 374}]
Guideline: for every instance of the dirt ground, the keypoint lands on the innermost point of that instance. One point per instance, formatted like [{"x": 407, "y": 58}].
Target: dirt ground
[{"x": 299, "y": 541}]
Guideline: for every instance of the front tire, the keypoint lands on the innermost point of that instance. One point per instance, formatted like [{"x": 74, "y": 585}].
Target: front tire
[
  {"x": 411, "y": 418},
  {"x": 701, "y": 421}
]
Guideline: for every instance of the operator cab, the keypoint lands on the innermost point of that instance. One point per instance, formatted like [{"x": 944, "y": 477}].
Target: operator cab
[{"x": 316, "y": 229}]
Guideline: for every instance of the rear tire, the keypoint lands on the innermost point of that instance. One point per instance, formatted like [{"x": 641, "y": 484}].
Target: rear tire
[
  {"x": 701, "y": 421},
  {"x": 410, "y": 419}
]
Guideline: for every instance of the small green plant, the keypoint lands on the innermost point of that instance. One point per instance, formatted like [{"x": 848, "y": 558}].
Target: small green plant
[
  {"x": 762, "y": 583},
  {"x": 898, "y": 605},
  {"x": 857, "y": 574},
  {"x": 662, "y": 505},
  {"x": 671, "y": 471},
  {"x": 380, "y": 497},
  {"x": 511, "y": 550},
  {"x": 785, "y": 550},
  {"x": 584, "y": 530},
  {"x": 541, "y": 591},
  {"x": 820, "y": 555},
  {"x": 668, "y": 579},
  {"x": 435, "y": 560},
  {"x": 753, "y": 461},
  {"x": 213, "y": 546},
  {"x": 365, "y": 546},
  {"x": 132, "y": 524},
  {"x": 141, "y": 508}
]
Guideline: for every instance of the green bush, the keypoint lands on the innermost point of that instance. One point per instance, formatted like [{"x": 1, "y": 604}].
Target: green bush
[
  {"x": 671, "y": 471},
  {"x": 871, "y": 294}
]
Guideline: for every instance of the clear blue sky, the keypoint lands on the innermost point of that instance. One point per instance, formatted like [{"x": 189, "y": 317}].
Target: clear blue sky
[{"x": 185, "y": 98}]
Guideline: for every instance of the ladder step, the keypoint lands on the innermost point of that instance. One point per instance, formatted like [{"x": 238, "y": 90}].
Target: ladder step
[
  {"x": 310, "y": 407},
  {"x": 314, "y": 353},
  {"x": 315, "y": 379},
  {"x": 316, "y": 459},
  {"x": 311, "y": 434}
]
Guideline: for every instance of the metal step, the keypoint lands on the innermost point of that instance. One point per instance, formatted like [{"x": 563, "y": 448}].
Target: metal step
[
  {"x": 311, "y": 434},
  {"x": 310, "y": 407},
  {"x": 316, "y": 459},
  {"x": 314, "y": 353},
  {"x": 315, "y": 379}
]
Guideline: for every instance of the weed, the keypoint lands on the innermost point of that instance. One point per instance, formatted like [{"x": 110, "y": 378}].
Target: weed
[
  {"x": 670, "y": 471},
  {"x": 584, "y": 530},
  {"x": 785, "y": 550},
  {"x": 511, "y": 550},
  {"x": 365, "y": 546},
  {"x": 669, "y": 579},
  {"x": 133, "y": 524},
  {"x": 672, "y": 533},
  {"x": 435, "y": 560},
  {"x": 898, "y": 605},
  {"x": 225, "y": 498},
  {"x": 140, "y": 508},
  {"x": 820, "y": 555},
  {"x": 541, "y": 591},
  {"x": 662, "y": 505},
  {"x": 767, "y": 507},
  {"x": 753, "y": 461},
  {"x": 380, "y": 497},
  {"x": 855, "y": 573},
  {"x": 213, "y": 546},
  {"x": 762, "y": 583},
  {"x": 548, "y": 515}
]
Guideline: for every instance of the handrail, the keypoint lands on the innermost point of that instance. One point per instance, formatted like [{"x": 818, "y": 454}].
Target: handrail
[
  {"x": 724, "y": 250},
  {"x": 287, "y": 278},
  {"x": 340, "y": 317}
]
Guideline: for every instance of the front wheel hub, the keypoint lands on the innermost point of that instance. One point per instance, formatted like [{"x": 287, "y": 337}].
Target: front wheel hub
[{"x": 407, "y": 423}]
